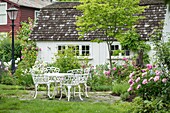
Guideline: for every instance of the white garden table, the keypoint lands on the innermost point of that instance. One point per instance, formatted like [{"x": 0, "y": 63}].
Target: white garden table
[{"x": 65, "y": 79}]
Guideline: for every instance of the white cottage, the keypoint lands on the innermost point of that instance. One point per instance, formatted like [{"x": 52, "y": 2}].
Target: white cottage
[{"x": 56, "y": 30}]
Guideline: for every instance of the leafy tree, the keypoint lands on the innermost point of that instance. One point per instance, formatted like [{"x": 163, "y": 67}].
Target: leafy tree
[{"x": 112, "y": 17}]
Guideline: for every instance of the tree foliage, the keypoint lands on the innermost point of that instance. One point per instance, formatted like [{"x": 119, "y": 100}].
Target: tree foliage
[{"x": 112, "y": 17}]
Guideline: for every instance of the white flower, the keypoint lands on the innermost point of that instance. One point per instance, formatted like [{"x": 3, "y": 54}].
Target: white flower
[
  {"x": 6, "y": 64},
  {"x": 0, "y": 62},
  {"x": 9, "y": 63},
  {"x": 18, "y": 59},
  {"x": 16, "y": 65}
]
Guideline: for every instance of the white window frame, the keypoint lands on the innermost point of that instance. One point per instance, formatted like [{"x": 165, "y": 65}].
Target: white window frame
[
  {"x": 80, "y": 50},
  {"x": 120, "y": 56},
  {"x": 36, "y": 14},
  {"x": 5, "y": 13}
]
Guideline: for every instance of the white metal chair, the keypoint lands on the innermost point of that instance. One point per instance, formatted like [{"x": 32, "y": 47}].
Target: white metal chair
[
  {"x": 52, "y": 79},
  {"x": 83, "y": 77},
  {"x": 70, "y": 81},
  {"x": 39, "y": 77}
]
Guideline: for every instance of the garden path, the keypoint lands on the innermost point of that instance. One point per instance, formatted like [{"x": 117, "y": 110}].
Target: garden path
[{"x": 95, "y": 97}]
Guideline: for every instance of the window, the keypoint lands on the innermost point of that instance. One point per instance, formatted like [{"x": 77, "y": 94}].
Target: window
[
  {"x": 36, "y": 14},
  {"x": 125, "y": 52},
  {"x": 85, "y": 50},
  {"x": 3, "y": 13},
  {"x": 79, "y": 50},
  {"x": 117, "y": 50},
  {"x": 75, "y": 49},
  {"x": 61, "y": 49}
]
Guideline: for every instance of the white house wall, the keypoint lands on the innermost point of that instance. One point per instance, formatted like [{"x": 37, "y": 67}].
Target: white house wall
[
  {"x": 166, "y": 31},
  {"x": 49, "y": 48},
  {"x": 99, "y": 51}
]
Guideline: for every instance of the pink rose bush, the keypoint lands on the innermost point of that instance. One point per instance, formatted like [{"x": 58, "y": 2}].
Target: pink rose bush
[{"x": 149, "y": 82}]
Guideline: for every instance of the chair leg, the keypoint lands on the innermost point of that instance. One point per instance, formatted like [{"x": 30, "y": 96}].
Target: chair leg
[
  {"x": 35, "y": 94},
  {"x": 80, "y": 92},
  {"x": 73, "y": 91},
  {"x": 55, "y": 89},
  {"x": 86, "y": 90},
  {"x": 48, "y": 90},
  {"x": 69, "y": 87},
  {"x": 61, "y": 93}
]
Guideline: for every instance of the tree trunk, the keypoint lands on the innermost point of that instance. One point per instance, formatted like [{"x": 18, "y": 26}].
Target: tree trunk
[{"x": 139, "y": 60}]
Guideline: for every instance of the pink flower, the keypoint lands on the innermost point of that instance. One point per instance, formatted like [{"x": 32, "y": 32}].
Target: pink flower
[
  {"x": 131, "y": 84},
  {"x": 145, "y": 81},
  {"x": 164, "y": 80},
  {"x": 143, "y": 70},
  {"x": 130, "y": 89},
  {"x": 138, "y": 86},
  {"x": 125, "y": 59},
  {"x": 156, "y": 78},
  {"x": 107, "y": 72},
  {"x": 149, "y": 66},
  {"x": 40, "y": 49},
  {"x": 157, "y": 72},
  {"x": 22, "y": 57},
  {"x": 130, "y": 81},
  {"x": 6, "y": 69},
  {"x": 36, "y": 48},
  {"x": 131, "y": 74},
  {"x": 137, "y": 80},
  {"x": 114, "y": 68}
]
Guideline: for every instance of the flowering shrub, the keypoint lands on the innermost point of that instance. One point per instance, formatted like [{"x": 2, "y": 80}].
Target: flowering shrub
[
  {"x": 150, "y": 83},
  {"x": 101, "y": 79},
  {"x": 5, "y": 75},
  {"x": 120, "y": 72},
  {"x": 29, "y": 49}
]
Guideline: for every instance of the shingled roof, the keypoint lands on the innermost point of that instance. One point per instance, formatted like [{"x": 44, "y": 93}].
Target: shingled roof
[{"x": 57, "y": 21}]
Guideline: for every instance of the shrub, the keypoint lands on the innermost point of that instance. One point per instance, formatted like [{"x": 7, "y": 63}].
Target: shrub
[
  {"x": 6, "y": 49},
  {"x": 29, "y": 53},
  {"x": 101, "y": 79},
  {"x": 66, "y": 60},
  {"x": 125, "y": 96},
  {"x": 145, "y": 106},
  {"x": 150, "y": 83},
  {"x": 120, "y": 88}
]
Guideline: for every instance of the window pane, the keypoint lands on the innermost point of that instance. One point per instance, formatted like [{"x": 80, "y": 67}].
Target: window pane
[
  {"x": 87, "y": 47},
  {"x": 112, "y": 47},
  {"x": 127, "y": 53},
  {"x": 59, "y": 47},
  {"x": 83, "y": 48},
  {"x": 116, "y": 47}
]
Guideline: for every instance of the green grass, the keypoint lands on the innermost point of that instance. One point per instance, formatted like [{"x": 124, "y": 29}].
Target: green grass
[{"x": 13, "y": 104}]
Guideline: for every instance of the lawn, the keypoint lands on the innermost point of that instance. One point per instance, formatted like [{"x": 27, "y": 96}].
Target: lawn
[{"x": 11, "y": 102}]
